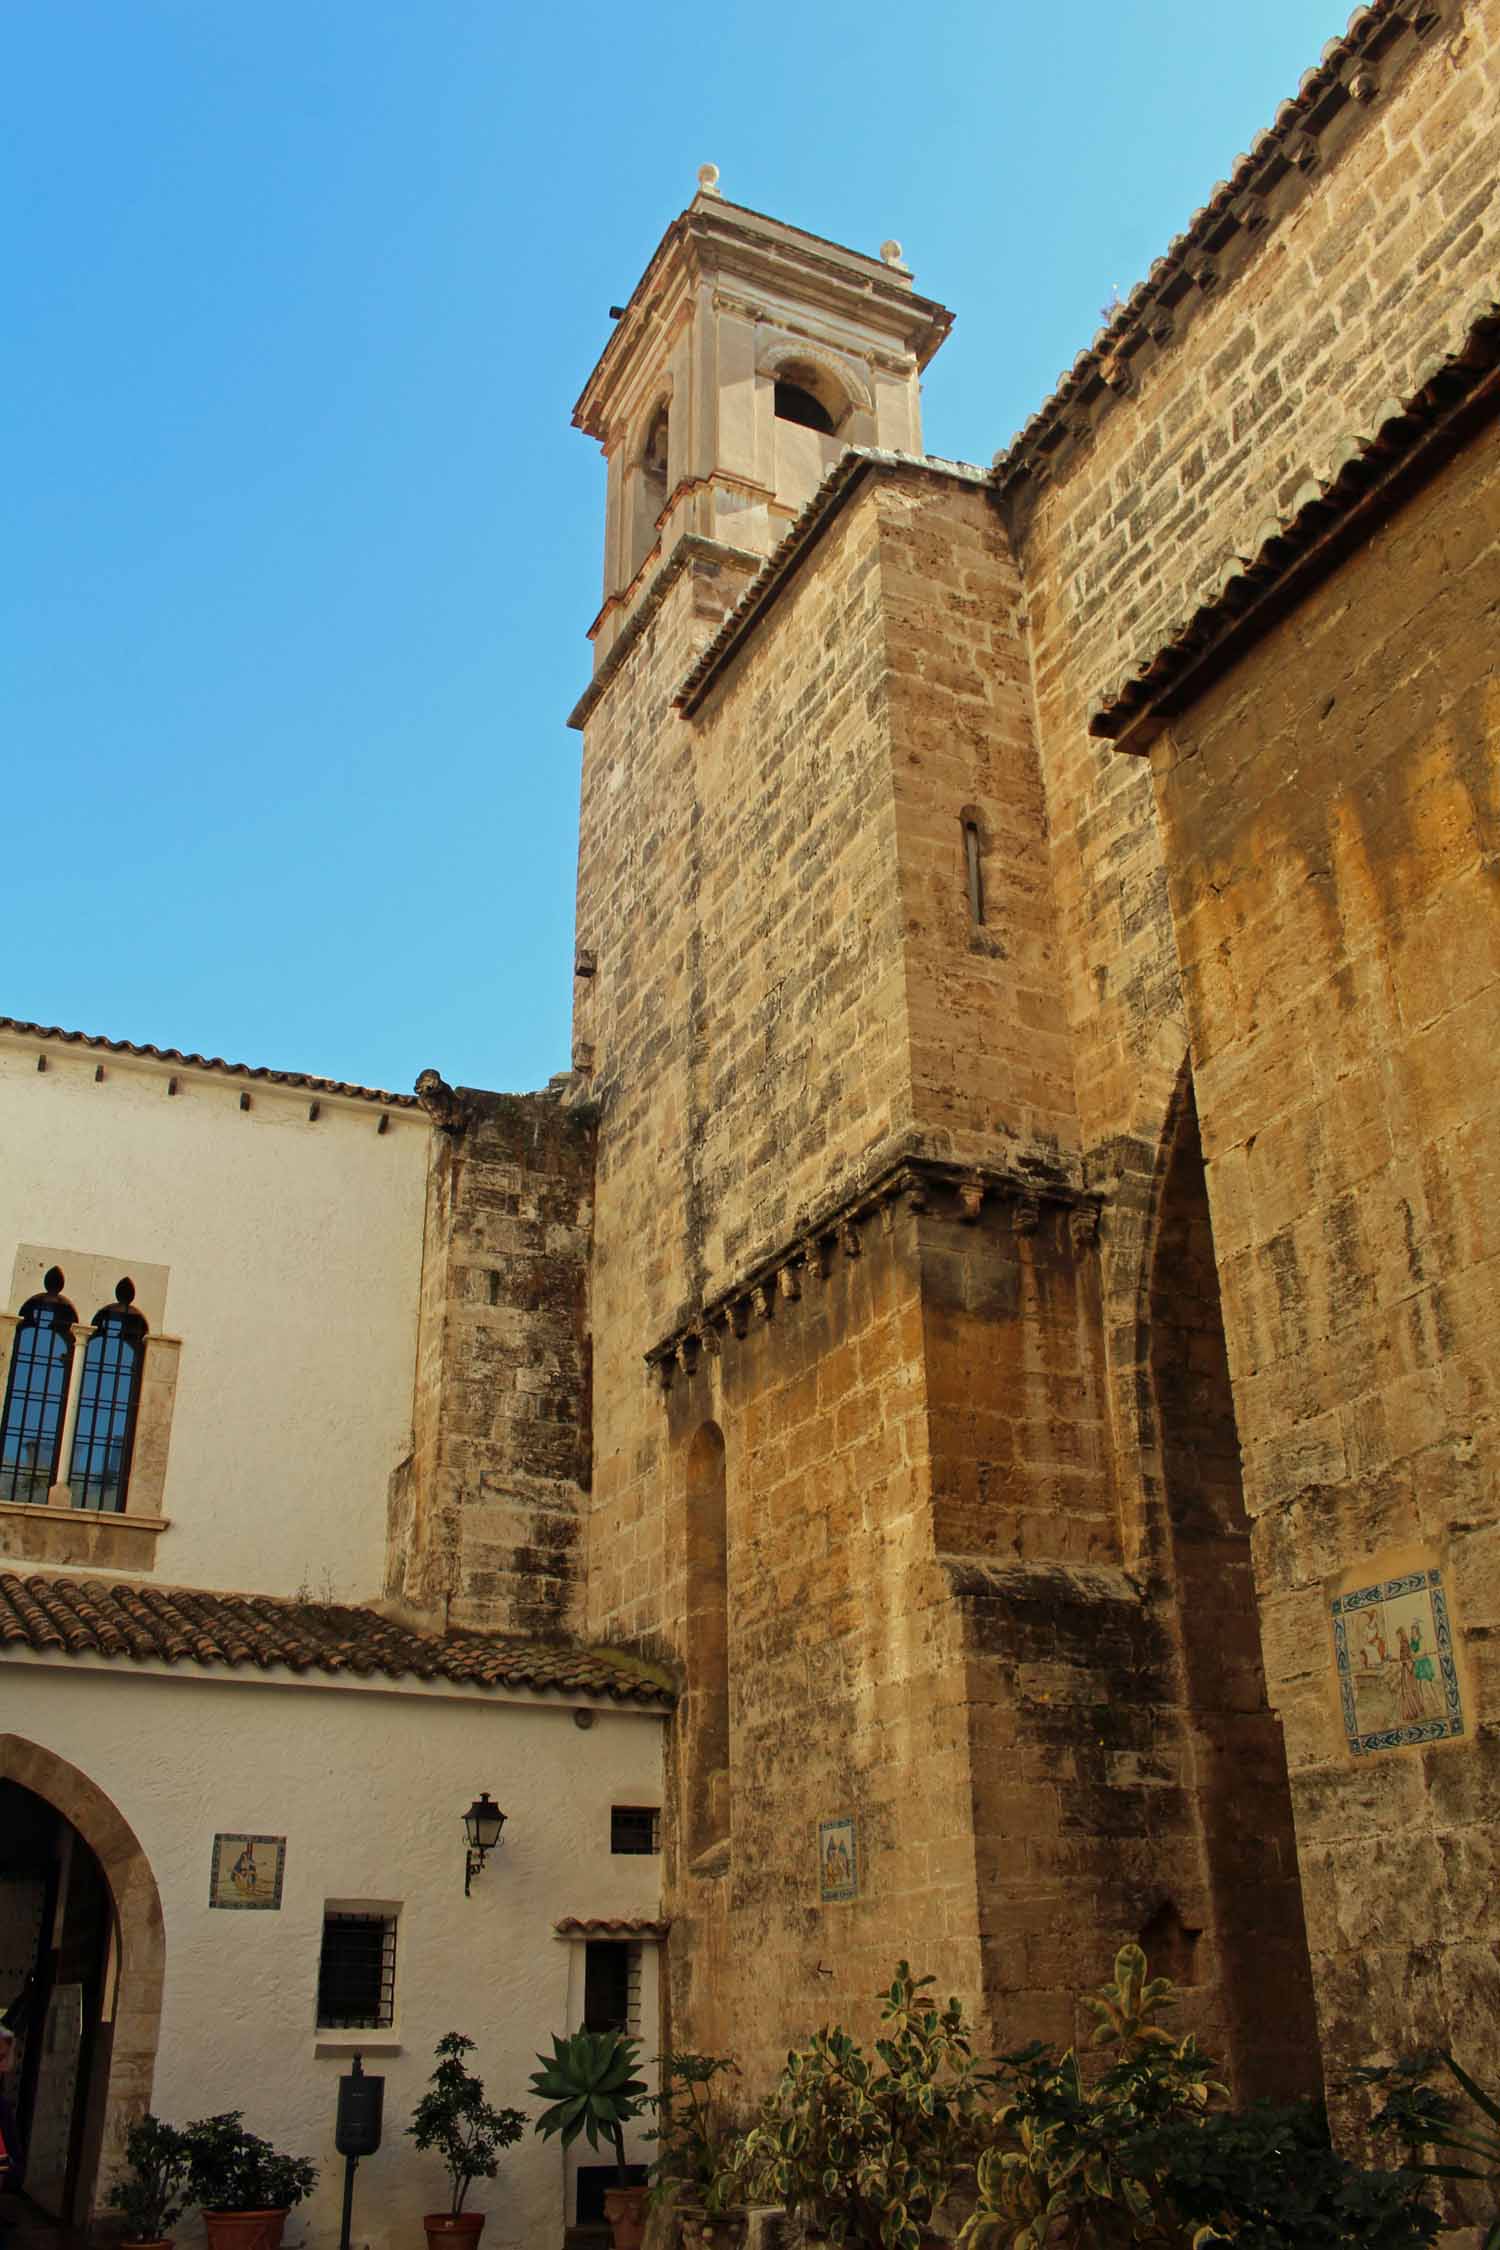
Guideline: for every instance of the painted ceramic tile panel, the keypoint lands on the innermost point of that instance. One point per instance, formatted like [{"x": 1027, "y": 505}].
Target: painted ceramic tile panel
[
  {"x": 247, "y": 1870},
  {"x": 1394, "y": 1647},
  {"x": 838, "y": 1861}
]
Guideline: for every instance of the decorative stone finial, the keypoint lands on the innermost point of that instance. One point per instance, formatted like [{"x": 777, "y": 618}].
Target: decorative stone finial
[
  {"x": 708, "y": 179},
  {"x": 891, "y": 252}
]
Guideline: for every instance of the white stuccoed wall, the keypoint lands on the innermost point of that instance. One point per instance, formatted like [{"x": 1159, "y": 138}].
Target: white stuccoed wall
[
  {"x": 295, "y": 1251},
  {"x": 368, "y": 1784}
]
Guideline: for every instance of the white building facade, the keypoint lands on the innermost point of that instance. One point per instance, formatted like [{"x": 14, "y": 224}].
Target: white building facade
[{"x": 232, "y": 1771}]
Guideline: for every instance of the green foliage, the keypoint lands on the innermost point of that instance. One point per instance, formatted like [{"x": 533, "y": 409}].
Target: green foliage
[
  {"x": 691, "y": 2135},
  {"x": 1269, "y": 2178},
  {"x": 153, "y": 2193},
  {"x": 589, "y": 2081},
  {"x": 1422, "y": 2116},
  {"x": 1138, "y": 2154},
  {"x": 232, "y": 2170},
  {"x": 865, "y": 2149},
  {"x": 1073, "y": 2162},
  {"x": 454, "y": 2117}
]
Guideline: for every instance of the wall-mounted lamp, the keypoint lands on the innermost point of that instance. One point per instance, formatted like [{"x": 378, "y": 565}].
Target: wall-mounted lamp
[{"x": 482, "y": 1825}]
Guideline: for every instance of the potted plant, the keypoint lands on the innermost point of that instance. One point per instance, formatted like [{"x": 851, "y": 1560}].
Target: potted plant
[
  {"x": 245, "y": 2186},
  {"x": 692, "y": 2140},
  {"x": 454, "y": 2118},
  {"x": 153, "y": 2192},
  {"x": 589, "y": 2081}
]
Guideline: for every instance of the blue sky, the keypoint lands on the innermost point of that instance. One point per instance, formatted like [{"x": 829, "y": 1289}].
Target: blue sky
[{"x": 302, "y": 547}]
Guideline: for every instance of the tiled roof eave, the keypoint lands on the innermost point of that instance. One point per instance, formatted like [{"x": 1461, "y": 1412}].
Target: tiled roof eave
[
  {"x": 57, "y": 1616},
  {"x": 1409, "y": 444},
  {"x": 253, "y": 1073},
  {"x": 1357, "y": 69}
]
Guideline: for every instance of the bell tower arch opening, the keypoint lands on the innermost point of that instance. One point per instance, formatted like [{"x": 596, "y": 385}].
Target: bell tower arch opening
[
  {"x": 1256, "y": 1958},
  {"x": 82, "y": 1960}
]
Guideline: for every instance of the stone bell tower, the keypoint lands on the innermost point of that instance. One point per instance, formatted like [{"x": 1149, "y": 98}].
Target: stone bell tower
[
  {"x": 852, "y": 1463},
  {"x": 750, "y": 356}
]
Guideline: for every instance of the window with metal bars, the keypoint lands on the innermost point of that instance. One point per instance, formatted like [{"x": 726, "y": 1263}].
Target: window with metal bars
[
  {"x": 634, "y": 1828},
  {"x": 36, "y": 1395},
  {"x": 357, "y": 1972},
  {"x": 109, "y": 1393},
  {"x": 612, "y": 1986}
]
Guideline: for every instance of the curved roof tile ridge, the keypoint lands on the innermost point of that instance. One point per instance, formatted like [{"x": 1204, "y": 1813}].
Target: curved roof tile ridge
[
  {"x": 96, "y": 1042},
  {"x": 80, "y": 1616},
  {"x": 1233, "y": 206}
]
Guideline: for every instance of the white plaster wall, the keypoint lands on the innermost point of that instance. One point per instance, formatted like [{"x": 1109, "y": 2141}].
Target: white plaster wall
[
  {"x": 368, "y": 1786},
  {"x": 294, "y": 1250}
]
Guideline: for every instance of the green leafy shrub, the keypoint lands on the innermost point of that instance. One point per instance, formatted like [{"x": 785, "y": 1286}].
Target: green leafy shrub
[
  {"x": 154, "y": 2191},
  {"x": 692, "y": 2137},
  {"x": 1139, "y": 2153},
  {"x": 590, "y": 2082},
  {"x": 866, "y": 2149},
  {"x": 454, "y": 2118},
  {"x": 1422, "y": 2116},
  {"x": 232, "y": 2170}
]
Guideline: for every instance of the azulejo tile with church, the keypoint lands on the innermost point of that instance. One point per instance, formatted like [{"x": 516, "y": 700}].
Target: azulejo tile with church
[{"x": 963, "y": 1427}]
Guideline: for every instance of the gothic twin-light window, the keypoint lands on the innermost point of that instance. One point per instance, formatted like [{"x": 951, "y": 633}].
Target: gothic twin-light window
[{"x": 73, "y": 1391}]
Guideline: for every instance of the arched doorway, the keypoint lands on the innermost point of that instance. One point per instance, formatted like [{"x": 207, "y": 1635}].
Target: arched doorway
[
  {"x": 1252, "y": 1957},
  {"x": 81, "y": 1958}
]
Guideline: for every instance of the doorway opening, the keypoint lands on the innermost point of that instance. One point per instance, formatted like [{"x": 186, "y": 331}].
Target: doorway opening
[{"x": 1255, "y": 1959}]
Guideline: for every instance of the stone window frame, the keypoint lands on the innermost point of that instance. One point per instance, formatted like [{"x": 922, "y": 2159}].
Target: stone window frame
[{"x": 59, "y": 1532}]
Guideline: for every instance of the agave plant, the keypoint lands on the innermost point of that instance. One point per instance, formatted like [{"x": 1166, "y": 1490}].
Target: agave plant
[{"x": 590, "y": 2081}]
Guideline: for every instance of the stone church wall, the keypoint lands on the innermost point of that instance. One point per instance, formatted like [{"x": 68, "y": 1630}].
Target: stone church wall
[
  {"x": 487, "y": 1517},
  {"x": 1332, "y": 829}
]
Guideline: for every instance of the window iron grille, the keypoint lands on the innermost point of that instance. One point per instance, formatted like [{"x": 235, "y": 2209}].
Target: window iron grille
[
  {"x": 357, "y": 1972},
  {"x": 108, "y": 1394},
  {"x": 634, "y": 1828},
  {"x": 36, "y": 1396},
  {"x": 612, "y": 1986}
]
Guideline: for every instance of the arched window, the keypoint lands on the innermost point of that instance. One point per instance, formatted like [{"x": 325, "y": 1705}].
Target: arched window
[
  {"x": 808, "y": 394},
  {"x": 108, "y": 1396},
  {"x": 36, "y": 1394},
  {"x": 650, "y": 495}
]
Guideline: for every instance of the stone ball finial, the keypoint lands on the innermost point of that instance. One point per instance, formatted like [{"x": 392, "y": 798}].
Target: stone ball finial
[
  {"x": 708, "y": 179},
  {"x": 891, "y": 252}
]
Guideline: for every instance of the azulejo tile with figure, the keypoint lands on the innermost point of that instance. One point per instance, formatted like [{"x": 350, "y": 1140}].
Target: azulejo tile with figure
[{"x": 1398, "y": 1683}]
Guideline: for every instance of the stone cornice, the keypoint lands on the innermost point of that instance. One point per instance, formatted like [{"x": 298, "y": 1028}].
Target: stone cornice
[
  {"x": 1370, "y": 478},
  {"x": 775, "y": 575},
  {"x": 1283, "y": 165},
  {"x": 692, "y": 547},
  {"x": 1033, "y": 1193}
]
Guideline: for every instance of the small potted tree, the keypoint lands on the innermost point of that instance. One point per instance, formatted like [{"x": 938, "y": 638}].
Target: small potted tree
[
  {"x": 153, "y": 2192},
  {"x": 454, "y": 2117},
  {"x": 692, "y": 2143},
  {"x": 589, "y": 2081},
  {"x": 245, "y": 2186}
]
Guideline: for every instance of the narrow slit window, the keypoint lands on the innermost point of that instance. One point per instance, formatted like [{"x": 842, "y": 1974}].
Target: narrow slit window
[
  {"x": 109, "y": 1393},
  {"x": 974, "y": 869},
  {"x": 36, "y": 1395}
]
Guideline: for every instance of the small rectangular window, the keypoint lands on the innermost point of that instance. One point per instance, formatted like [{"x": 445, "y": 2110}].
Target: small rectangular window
[
  {"x": 634, "y": 1828},
  {"x": 357, "y": 1972}
]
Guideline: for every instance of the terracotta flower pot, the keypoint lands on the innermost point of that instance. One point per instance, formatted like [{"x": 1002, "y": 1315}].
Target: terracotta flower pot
[
  {"x": 625, "y": 2209},
  {"x": 244, "y": 2230},
  {"x": 156, "y": 2242},
  {"x": 445, "y": 2232}
]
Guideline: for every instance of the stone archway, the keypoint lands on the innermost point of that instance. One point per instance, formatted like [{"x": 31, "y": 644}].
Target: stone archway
[{"x": 142, "y": 1937}]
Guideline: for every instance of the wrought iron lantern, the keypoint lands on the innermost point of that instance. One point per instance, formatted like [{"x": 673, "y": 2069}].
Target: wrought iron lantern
[{"x": 482, "y": 1825}]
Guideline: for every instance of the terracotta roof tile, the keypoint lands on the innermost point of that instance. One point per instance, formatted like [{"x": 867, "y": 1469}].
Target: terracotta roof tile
[
  {"x": 1357, "y": 70},
  {"x": 611, "y": 1925},
  {"x": 177, "y": 1624},
  {"x": 1369, "y": 477},
  {"x": 254, "y": 1071}
]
